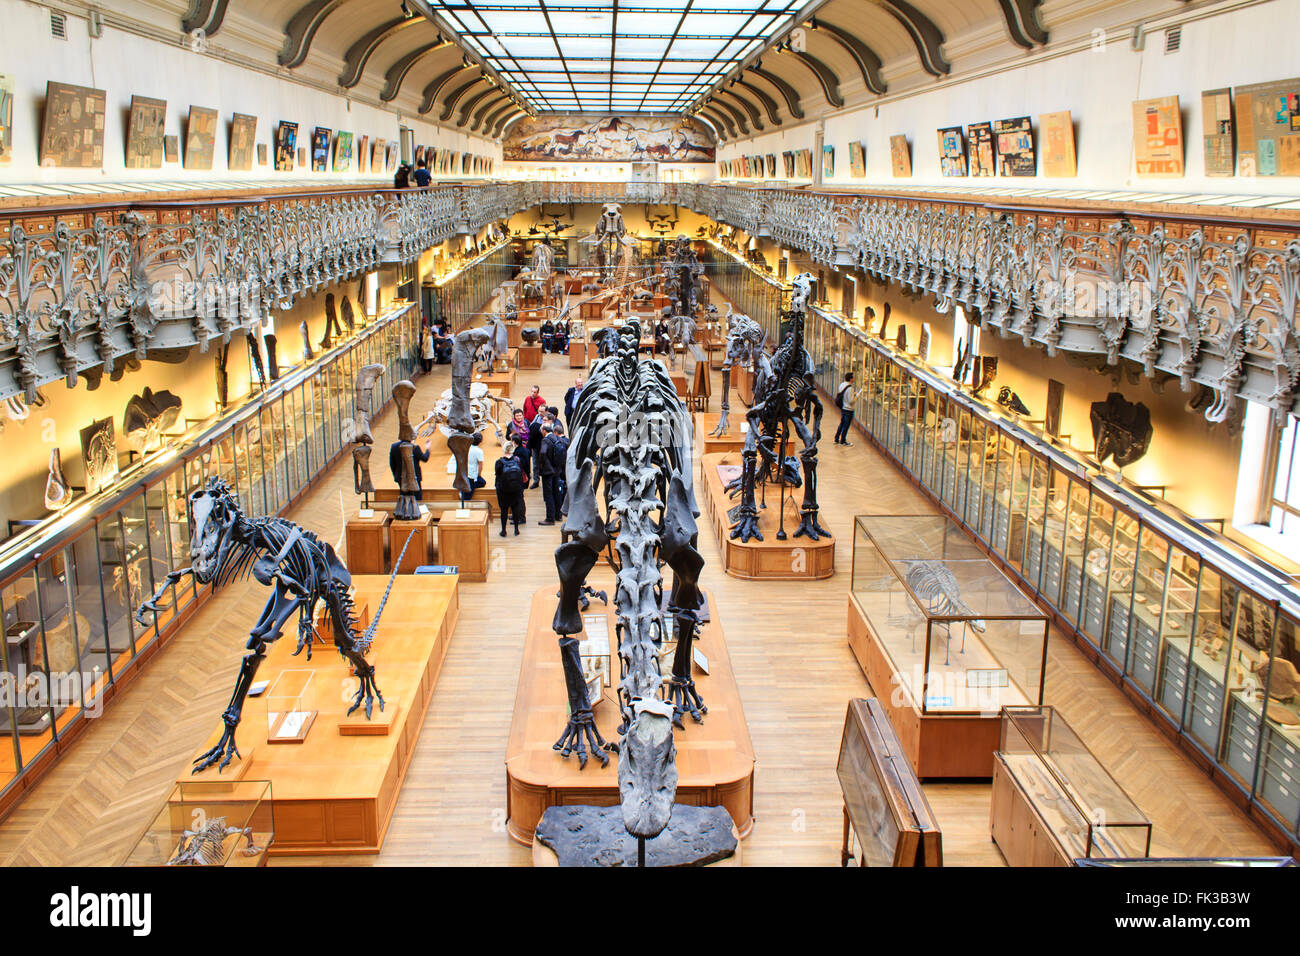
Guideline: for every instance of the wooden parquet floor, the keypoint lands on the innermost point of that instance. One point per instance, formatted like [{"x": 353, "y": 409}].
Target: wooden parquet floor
[{"x": 792, "y": 662}]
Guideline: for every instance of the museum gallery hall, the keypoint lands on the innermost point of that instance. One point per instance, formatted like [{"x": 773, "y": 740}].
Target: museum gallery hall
[{"x": 820, "y": 433}]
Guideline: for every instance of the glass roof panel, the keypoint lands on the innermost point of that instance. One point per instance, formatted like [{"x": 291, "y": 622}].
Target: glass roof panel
[{"x": 662, "y": 53}]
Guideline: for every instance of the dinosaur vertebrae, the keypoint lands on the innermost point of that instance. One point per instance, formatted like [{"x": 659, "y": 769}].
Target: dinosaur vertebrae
[{"x": 933, "y": 583}]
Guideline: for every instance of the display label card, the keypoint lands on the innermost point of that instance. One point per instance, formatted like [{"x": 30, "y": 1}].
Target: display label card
[
  {"x": 424, "y": 509},
  {"x": 986, "y": 677},
  {"x": 701, "y": 661},
  {"x": 938, "y": 702},
  {"x": 460, "y": 512},
  {"x": 366, "y": 513}
]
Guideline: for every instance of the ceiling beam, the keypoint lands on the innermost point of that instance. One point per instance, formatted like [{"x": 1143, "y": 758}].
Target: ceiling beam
[
  {"x": 301, "y": 30},
  {"x": 927, "y": 37},
  {"x": 497, "y": 114},
  {"x": 472, "y": 102},
  {"x": 397, "y": 72},
  {"x": 720, "y": 121},
  {"x": 712, "y": 123},
  {"x": 449, "y": 104},
  {"x": 1021, "y": 17},
  {"x": 726, "y": 109},
  {"x": 769, "y": 104},
  {"x": 205, "y": 15},
  {"x": 826, "y": 78},
  {"x": 506, "y": 120},
  {"x": 359, "y": 53},
  {"x": 438, "y": 84},
  {"x": 495, "y": 101},
  {"x": 750, "y": 108},
  {"x": 866, "y": 58},
  {"x": 793, "y": 102}
]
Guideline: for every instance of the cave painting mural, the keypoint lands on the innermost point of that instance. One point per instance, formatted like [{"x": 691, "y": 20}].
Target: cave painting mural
[{"x": 560, "y": 138}]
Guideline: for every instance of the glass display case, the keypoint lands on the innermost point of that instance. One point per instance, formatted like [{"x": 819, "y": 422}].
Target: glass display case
[
  {"x": 1080, "y": 811},
  {"x": 1189, "y": 620},
  {"x": 964, "y": 639},
  {"x": 229, "y": 823},
  {"x": 68, "y": 615}
]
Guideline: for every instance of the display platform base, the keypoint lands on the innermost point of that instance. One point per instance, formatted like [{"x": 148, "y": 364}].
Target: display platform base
[
  {"x": 596, "y": 836},
  {"x": 794, "y": 559},
  {"x": 937, "y": 745},
  {"x": 437, "y": 492},
  {"x": 715, "y": 759},
  {"x": 336, "y": 791},
  {"x": 707, "y": 444}
]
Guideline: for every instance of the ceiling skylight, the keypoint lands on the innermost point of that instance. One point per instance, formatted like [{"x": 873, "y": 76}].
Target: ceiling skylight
[{"x": 623, "y": 56}]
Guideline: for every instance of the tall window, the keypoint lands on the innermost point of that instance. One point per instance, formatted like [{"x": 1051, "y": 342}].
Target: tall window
[{"x": 1284, "y": 510}]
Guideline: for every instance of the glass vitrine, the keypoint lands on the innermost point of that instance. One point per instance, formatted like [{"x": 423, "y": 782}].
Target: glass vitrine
[
  {"x": 958, "y": 632},
  {"x": 209, "y": 824},
  {"x": 1086, "y": 810},
  {"x": 69, "y": 616}
]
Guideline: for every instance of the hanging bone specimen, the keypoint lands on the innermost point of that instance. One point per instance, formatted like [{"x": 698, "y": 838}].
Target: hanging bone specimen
[
  {"x": 1010, "y": 400},
  {"x": 361, "y": 437},
  {"x": 57, "y": 492},
  {"x": 331, "y": 322},
  {"x": 349, "y": 319},
  {"x": 272, "y": 363},
  {"x": 223, "y": 380},
  {"x": 307, "y": 353},
  {"x": 99, "y": 453},
  {"x": 408, "y": 486},
  {"x": 1120, "y": 429},
  {"x": 147, "y": 416},
  {"x": 255, "y": 356}
]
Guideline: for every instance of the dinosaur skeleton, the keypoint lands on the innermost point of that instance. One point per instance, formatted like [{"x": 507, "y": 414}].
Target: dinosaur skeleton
[
  {"x": 785, "y": 398},
  {"x": 614, "y": 247},
  {"x": 632, "y": 441},
  {"x": 301, "y": 569},
  {"x": 681, "y": 330},
  {"x": 488, "y": 341},
  {"x": 933, "y": 583},
  {"x": 483, "y": 409},
  {"x": 745, "y": 343},
  {"x": 203, "y": 846}
]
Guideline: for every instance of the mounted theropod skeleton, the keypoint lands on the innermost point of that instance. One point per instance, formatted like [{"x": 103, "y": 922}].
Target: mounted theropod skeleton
[
  {"x": 785, "y": 399},
  {"x": 745, "y": 342},
  {"x": 632, "y": 441},
  {"x": 301, "y": 569}
]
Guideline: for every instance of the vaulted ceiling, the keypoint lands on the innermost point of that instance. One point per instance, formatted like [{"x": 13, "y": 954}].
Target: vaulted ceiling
[{"x": 744, "y": 66}]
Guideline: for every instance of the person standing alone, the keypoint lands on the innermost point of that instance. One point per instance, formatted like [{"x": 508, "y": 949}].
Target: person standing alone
[{"x": 844, "y": 402}]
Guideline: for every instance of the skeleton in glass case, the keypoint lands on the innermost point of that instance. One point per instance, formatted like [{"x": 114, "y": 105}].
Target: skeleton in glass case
[
  {"x": 203, "y": 846},
  {"x": 632, "y": 443},
  {"x": 300, "y": 569},
  {"x": 933, "y": 583},
  {"x": 745, "y": 342},
  {"x": 784, "y": 400}
]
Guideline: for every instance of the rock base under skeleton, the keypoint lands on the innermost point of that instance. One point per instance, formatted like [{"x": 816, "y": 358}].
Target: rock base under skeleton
[{"x": 595, "y": 836}]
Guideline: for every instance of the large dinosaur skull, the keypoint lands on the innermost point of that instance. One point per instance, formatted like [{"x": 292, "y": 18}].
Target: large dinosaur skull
[{"x": 212, "y": 515}]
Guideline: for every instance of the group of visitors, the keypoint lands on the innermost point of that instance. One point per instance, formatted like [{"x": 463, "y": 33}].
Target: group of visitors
[
  {"x": 555, "y": 336},
  {"x": 408, "y": 178},
  {"x": 435, "y": 344},
  {"x": 535, "y": 455}
]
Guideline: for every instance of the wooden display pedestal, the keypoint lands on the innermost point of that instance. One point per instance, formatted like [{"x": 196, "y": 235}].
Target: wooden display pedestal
[
  {"x": 937, "y": 745},
  {"x": 437, "y": 491},
  {"x": 417, "y": 553},
  {"x": 463, "y": 541},
  {"x": 514, "y": 335},
  {"x": 501, "y": 384},
  {"x": 679, "y": 382},
  {"x": 715, "y": 759},
  {"x": 335, "y": 793},
  {"x": 742, "y": 384},
  {"x": 1023, "y": 838},
  {"x": 365, "y": 542},
  {"x": 794, "y": 559},
  {"x": 545, "y": 856},
  {"x": 578, "y": 354},
  {"x": 706, "y": 444},
  {"x": 530, "y": 356}
]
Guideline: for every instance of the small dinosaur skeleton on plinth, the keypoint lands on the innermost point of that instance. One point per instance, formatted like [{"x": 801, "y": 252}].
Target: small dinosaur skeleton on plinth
[{"x": 300, "y": 569}]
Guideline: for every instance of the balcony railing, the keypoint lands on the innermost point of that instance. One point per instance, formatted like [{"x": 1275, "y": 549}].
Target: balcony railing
[{"x": 1211, "y": 301}]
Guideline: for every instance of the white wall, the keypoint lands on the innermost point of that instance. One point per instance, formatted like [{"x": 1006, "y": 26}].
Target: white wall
[
  {"x": 1243, "y": 46},
  {"x": 124, "y": 64}
]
